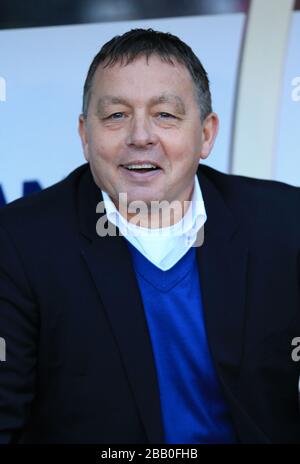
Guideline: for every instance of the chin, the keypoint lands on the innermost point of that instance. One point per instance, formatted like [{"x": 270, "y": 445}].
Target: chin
[{"x": 143, "y": 198}]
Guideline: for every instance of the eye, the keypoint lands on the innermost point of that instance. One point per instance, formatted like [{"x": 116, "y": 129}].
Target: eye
[
  {"x": 116, "y": 116},
  {"x": 165, "y": 115}
]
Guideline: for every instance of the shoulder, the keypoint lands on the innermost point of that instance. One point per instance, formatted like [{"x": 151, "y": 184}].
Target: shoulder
[
  {"x": 248, "y": 188},
  {"x": 270, "y": 203},
  {"x": 248, "y": 185},
  {"x": 42, "y": 207}
]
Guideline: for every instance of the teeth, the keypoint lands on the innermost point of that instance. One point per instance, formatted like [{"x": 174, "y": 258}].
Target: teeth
[{"x": 140, "y": 166}]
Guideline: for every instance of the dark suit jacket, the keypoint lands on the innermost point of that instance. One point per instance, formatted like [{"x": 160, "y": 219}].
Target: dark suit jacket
[{"x": 79, "y": 364}]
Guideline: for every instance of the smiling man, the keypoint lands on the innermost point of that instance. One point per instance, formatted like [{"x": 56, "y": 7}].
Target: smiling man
[
  {"x": 150, "y": 335},
  {"x": 143, "y": 132}
]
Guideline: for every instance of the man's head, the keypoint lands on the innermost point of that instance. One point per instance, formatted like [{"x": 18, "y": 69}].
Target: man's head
[
  {"x": 137, "y": 42},
  {"x": 146, "y": 99}
]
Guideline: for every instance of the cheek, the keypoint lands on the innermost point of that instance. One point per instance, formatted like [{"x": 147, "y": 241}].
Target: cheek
[
  {"x": 103, "y": 149},
  {"x": 184, "y": 143},
  {"x": 174, "y": 145},
  {"x": 182, "y": 152}
]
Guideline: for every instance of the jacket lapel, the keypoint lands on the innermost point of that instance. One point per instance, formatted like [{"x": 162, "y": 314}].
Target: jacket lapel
[
  {"x": 222, "y": 261},
  {"x": 109, "y": 263}
]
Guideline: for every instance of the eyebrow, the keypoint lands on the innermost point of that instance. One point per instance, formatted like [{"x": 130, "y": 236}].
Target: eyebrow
[
  {"x": 164, "y": 98},
  {"x": 169, "y": 98}
]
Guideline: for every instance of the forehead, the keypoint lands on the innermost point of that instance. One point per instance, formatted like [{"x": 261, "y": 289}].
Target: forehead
[{"x": 144, "y": 78}]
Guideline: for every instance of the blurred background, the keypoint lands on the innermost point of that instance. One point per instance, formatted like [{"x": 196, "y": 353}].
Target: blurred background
[{"x": 250, "y": 49}]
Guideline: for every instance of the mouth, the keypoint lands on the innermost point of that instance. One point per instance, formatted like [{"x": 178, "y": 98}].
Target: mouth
[{"x": 142, "y": 170}]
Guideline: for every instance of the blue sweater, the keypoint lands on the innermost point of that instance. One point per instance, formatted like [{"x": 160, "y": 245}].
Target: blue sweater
[{"x": 193, "y": 406}]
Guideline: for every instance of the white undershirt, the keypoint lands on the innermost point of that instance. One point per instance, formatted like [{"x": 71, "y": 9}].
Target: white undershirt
[{"x": 164, "y": 246}]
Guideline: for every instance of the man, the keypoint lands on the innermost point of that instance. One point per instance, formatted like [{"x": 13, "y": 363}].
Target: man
[{"x": 148, "y": 335}]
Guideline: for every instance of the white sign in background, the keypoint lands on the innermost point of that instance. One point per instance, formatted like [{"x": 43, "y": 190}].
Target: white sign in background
[
  {"x": 287, "y": 160},
  {"x": 44, "y": 71}
]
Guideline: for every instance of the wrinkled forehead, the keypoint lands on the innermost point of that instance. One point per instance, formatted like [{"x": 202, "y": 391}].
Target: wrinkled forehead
[
  {"x": 147, "y": 72},
  {"x": 106, "y": 101}
]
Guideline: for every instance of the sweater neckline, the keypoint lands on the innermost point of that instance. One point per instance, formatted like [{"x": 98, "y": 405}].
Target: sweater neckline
[{"x": 162, "y": 280}]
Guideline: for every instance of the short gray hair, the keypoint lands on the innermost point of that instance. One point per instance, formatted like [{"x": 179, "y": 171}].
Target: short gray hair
[{"x": 168, "y": 47}]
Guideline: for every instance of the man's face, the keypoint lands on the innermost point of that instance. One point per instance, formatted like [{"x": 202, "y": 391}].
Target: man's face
[{"x": 145, "y": 113}]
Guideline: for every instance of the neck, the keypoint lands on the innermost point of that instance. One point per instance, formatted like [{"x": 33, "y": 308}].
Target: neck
[{"x": 156, "y": 214}]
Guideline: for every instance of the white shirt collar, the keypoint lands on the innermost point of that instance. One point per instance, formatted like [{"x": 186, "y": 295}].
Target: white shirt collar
[{"x": 165, "y": 246}]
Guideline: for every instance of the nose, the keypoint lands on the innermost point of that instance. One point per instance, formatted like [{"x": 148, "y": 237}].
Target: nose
[{"x": 141, "y": 132}]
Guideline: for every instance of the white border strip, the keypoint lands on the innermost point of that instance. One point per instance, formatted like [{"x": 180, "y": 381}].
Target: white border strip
[{"x": 259, "y": 87}]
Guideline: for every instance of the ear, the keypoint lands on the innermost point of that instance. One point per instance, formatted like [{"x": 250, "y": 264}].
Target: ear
[
  {"x": 210, "y": 128},
  {"x": 83, "y": 135}
]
